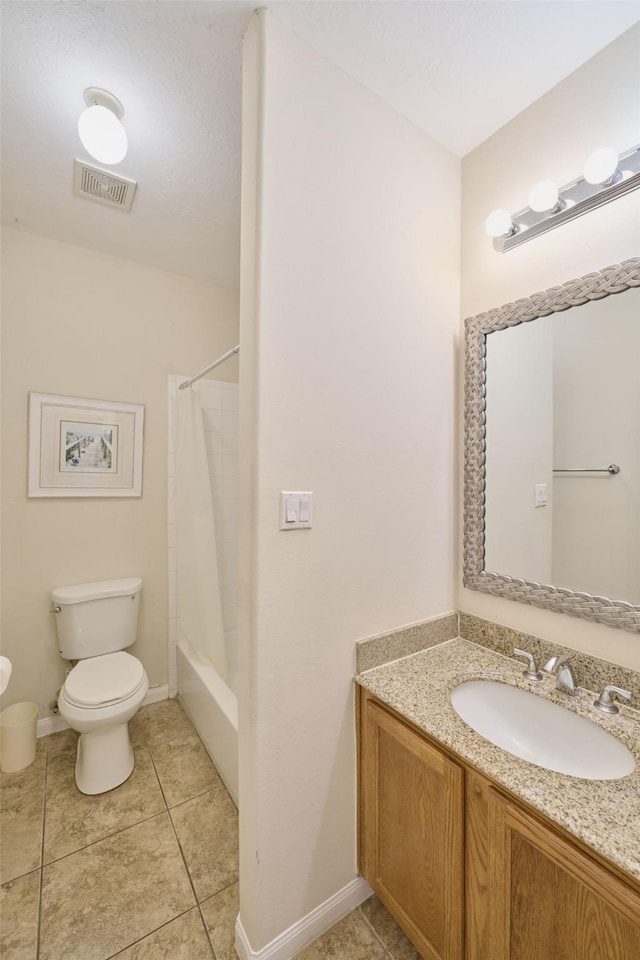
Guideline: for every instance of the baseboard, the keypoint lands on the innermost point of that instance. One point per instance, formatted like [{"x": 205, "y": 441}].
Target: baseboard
[
  {"x": 55, "y": 723},
  {"x": 51, "y": 724},
  {"x": 304, "y": 931},
  {"x": 161, "y": 692}
]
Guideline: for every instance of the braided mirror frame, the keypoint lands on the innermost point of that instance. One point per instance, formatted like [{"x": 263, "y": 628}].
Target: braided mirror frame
[{"x": 594, "y": 286}]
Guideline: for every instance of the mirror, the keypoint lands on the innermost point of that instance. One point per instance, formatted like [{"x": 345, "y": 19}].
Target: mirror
[{"x": 552, "y": 449}]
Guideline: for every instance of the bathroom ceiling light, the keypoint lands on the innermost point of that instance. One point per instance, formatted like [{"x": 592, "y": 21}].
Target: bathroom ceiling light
[
  {"x": 602, "y": 167},
  {"x": 607, "y": 176},
  {"x": 100, "y": 129}
]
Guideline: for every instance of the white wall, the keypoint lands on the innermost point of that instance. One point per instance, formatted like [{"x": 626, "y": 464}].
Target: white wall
[
  {"x": 598, "y": 104},
  {"x": 596, "y": 526},
  {"x": 348, "y": 327},
  {"x": 61, "y": 304},
  {"x": 519, "y": 454}
]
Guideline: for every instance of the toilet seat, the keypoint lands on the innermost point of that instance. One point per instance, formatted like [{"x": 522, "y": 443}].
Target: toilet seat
[{"x": 101, "y": 681}]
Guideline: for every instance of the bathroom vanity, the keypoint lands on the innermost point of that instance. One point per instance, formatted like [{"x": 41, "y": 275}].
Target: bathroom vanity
[{"x": 476, "y": 853}]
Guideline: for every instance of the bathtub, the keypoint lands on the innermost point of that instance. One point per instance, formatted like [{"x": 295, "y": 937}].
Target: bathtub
[{"x": 213, "y": 708}]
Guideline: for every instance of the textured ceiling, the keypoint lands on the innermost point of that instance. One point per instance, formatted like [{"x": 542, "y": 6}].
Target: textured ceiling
[{"x": 458, "y": 70}]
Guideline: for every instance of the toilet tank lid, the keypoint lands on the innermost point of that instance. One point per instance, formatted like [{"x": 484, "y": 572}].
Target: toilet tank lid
[{"x": 101, "y": 589}]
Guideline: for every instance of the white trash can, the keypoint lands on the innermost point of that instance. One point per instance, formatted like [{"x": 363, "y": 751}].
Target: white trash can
[{"x": 18, "y": 736}]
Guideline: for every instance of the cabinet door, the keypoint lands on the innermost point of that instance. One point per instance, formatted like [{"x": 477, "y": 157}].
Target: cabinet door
[
  {"x": 412, "y": 810},
  {"x": 550, "y": 901}
]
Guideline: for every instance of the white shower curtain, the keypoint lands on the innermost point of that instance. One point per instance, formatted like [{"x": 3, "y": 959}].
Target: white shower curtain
[{"x": 200, "y": 610}]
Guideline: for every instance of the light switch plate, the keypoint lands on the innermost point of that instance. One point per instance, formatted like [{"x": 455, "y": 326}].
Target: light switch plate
[
  {"x": 540, "y": 495},
  {"x": 296, "y": 503}
]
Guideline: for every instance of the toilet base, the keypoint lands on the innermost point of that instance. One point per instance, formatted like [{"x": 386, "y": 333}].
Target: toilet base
[{"x": 104, "y": 759}]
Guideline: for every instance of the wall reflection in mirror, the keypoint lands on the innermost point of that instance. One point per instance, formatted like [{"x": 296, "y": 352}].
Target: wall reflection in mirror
[
  {"x": 551, "y": 401},
  {"x": 562, "y": 405}
]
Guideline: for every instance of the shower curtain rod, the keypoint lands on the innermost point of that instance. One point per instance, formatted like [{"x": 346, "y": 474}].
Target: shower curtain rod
[{"x": 225, "y": 356}]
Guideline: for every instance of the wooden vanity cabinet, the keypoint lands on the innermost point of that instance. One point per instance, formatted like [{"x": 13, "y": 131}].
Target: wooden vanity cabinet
[
  {"x": 473, "y": 874},
  {"x": 412, "y": 831},
  {"x": 551, "y": 900}
]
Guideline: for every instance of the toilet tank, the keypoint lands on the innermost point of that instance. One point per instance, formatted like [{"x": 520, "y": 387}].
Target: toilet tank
[{"x": 96, "y": 618}]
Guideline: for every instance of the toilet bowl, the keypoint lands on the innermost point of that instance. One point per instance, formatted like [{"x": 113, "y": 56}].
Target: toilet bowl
[
  {"x": 98, "y": 699},
  {"x": 95, "y": 621}
]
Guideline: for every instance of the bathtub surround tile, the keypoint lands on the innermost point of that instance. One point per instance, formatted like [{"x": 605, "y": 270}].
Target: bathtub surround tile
[
  {"x": 73, "y": 820},
  {"x": 220, "y": 914},
  {"x": 102, "y": 899},
  {"x": 21, "y": 831},
  {"x": 207, "y": 829},
  {"x": 385, "y": 647},
  {"x": 184, "y": 769},
  {"x": 230, "y": 396},
  {"x": 159, "y": 723},
  {"x": 349, "y": 939},
  {"x": 19, "y": 912},
  {"x": 181, "y": 939},
  {"x": 591, "y": 672}
]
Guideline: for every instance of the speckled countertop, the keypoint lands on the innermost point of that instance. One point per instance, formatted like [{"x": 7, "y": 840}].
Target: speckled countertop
[{"x": 605, "y": 814}]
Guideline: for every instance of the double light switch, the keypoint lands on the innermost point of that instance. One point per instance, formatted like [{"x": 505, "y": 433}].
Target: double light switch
[{"x": 296, "y": 509}]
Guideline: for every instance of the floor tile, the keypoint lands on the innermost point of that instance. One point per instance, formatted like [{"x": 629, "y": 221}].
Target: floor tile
[
  {"x": 158, "y": 723},
  {"x": 182, "y": 939},
  {"x": 103, "y": 898},
  {"x": 73, "y": 819},
  {"x": 207, "y": 828},
  {"x": 403, "y": 949},
  {"x": 21, "y": 830},
  {"x": 31, "y": 778},
  {"x": 349, "y": 939},
  {"x": 61, "y": 755},
  {"x": 381, "y": 920},
  {"x": 184, "y": 769},
  {"x": 19, "y": 911},
  {"x": 220, "y": 914}
]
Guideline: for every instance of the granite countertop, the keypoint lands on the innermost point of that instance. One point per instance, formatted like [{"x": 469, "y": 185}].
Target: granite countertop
[{"x": 605, "y": 814}]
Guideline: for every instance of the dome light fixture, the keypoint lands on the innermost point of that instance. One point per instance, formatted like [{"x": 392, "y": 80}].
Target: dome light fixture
[{"x": 100, "y": 127}]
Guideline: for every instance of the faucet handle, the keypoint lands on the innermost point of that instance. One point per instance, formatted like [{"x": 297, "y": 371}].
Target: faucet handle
[
  {"x": 532, "y": 672},
  {"x": 605, "y": 700}
]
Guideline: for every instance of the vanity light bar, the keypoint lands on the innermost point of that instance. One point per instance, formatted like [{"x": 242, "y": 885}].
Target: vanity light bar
[{"x": 574, "y": 200}]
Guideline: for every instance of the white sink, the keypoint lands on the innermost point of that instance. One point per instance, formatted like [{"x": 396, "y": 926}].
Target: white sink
[{"x": 540, "y": 731}]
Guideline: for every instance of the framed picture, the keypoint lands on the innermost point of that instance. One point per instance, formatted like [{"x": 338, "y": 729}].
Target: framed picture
[{"x": 84, "y": 448}]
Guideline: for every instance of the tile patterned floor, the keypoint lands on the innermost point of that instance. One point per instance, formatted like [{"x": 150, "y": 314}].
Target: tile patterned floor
[
  {"x": 148, "y": 871},
  {"x": 367, "y": 933},
  {"x": 145, "y": 872}
]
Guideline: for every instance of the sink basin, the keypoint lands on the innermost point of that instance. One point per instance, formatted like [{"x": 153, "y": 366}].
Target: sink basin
[{"x": 541, "y": 731}]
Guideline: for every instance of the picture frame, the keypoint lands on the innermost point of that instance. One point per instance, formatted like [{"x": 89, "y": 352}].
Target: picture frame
[{"x": 79, "y": 447}]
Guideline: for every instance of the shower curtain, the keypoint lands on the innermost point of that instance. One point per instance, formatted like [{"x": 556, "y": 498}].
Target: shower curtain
[{"x": 200, "y": 612}]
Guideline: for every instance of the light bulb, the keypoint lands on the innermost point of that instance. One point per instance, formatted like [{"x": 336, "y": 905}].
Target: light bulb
[
  {"x": 499, "y": 223},
  {"x": 544, "y": 196},
  {"x": 601, "y": 166},
  {"x": 102, "y": 134}
]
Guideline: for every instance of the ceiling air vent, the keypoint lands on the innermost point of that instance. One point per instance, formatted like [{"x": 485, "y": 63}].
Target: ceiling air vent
[{"x": 100, "y": 185}]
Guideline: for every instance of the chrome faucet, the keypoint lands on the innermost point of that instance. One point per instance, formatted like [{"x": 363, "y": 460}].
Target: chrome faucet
[{"x": 561, "y": 668}]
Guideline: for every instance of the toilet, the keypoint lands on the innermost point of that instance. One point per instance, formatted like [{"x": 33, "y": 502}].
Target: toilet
[{"x": 95, "y": 623}]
